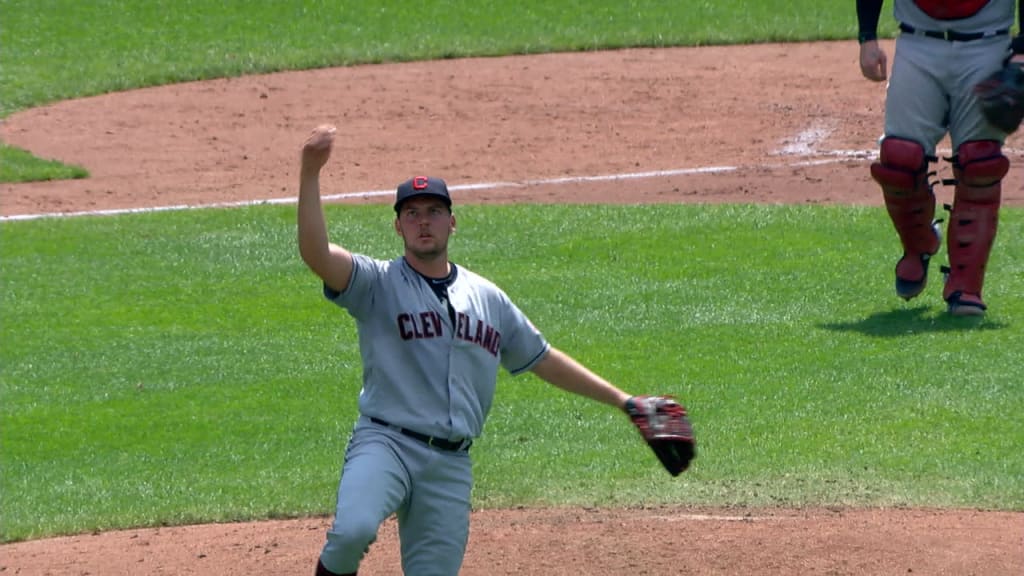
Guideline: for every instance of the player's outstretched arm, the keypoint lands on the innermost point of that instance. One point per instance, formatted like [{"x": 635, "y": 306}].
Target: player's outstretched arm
[
  {"x": 332, "y": 263},
  {"x": 661, "y": 421},
  {"x": 559, "y": 369}
]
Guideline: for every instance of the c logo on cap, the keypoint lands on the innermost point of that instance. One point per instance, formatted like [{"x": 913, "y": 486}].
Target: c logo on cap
[{"x": 420, "y": 182}]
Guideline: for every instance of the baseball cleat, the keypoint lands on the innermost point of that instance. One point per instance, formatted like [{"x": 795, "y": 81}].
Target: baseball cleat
[
  {"x": 908, "y": 289},
  {"x": 963, "y": 304}
]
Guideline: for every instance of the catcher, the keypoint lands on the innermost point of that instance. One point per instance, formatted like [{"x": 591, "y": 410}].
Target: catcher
[
  {"x": 432, "y": 336},
  {"x": 942, "y": 83}
]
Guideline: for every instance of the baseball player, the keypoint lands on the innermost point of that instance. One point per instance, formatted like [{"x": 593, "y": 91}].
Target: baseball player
[
  {"x": 432, "y": 337},
  {"x": 944, "y": 49}
]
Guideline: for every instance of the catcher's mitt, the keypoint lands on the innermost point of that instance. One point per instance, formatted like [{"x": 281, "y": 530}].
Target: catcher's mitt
[
  {"x": 664, "y": 426},
  {"x": 1001, "y": 97}
]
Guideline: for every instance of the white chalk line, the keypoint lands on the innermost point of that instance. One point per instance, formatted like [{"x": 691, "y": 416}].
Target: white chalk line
[
  {"x": 709, "y": 518},
  {"x": 831, "y": 157}
]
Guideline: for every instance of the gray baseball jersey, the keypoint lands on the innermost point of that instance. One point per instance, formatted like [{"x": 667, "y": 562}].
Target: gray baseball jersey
[{"x": 431, "y": 355}]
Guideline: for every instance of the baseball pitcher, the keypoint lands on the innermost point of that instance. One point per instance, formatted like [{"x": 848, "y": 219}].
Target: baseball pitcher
[{"x": 432, "y": 337}]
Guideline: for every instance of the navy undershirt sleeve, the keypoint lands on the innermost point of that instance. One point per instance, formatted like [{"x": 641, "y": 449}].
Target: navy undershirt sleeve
[{"x": 868, "y": 12}]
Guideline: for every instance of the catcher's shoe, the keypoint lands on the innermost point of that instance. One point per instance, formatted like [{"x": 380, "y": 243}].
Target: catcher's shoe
[
  {"x": 961, "y": 303},
  {"x": 912, "y": 273},
  {"x": 964, "y": 304}
]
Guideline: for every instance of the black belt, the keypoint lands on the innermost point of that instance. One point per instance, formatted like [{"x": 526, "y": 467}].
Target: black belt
[
  {"x": 952, "y": 35},
  {"x": 446, "y": 445}
]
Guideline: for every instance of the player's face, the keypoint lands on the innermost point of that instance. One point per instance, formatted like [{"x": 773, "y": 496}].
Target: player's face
[{"x": 425, "y": 224}]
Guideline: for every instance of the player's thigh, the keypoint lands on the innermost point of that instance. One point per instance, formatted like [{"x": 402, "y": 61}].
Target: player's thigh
[
  {"x": 434, "y": 526},
  {"x": 976, "y": 60},
  {"x": 916, "y": 103},
  {"x": 374, "y": 484}
]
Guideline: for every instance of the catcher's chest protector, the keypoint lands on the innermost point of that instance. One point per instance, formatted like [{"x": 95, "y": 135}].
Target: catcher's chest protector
[{"x": 950, "y": 9}]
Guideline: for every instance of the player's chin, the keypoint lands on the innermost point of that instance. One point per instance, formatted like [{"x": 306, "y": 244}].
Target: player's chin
[
  {"x": 427, "y": 250},
  {"x": 428, "y": 243}
]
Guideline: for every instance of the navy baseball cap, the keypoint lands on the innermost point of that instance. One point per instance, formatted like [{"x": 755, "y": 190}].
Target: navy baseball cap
[{"x": 422, "y": 186}]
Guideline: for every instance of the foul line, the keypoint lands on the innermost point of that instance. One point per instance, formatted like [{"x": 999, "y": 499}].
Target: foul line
[
  {"x": 710, "y": 518},
  {"x": 832, "y": 157}
]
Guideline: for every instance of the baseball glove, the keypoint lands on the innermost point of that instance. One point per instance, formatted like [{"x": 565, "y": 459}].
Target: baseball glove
[
  {"x": 663, "y": 424},
  {"x": 1001, "y": 97}
]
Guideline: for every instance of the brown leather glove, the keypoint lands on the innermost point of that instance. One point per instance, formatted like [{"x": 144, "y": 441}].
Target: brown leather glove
[{"x": 664, "y": 425}]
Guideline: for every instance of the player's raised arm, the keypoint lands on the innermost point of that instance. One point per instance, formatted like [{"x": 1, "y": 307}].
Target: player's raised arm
[{"x": 330, "y": 262}]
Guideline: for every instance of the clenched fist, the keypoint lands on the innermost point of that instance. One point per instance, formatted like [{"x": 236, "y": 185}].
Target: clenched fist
[{"x": 317, "y": 148}]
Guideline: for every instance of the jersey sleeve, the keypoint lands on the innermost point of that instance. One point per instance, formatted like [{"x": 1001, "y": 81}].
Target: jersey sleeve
[
  {"x": 358, "y": 296},
  {"x": 522, "y": 345}
]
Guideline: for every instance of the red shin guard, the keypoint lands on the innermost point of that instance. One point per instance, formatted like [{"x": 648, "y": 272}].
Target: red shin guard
[
  {"x": 979, "y": 168},
  {"x": 902, "y": 172}
]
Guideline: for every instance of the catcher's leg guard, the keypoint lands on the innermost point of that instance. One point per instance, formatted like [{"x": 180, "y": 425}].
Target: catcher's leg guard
[
  {"x": 902, "y": 172},
  {"x": 979, "y": 167}
]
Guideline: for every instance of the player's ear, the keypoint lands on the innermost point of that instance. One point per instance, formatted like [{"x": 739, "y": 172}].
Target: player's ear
[
  {"x": 398, "y": 227},
  {"x": 451, "y": 226}
]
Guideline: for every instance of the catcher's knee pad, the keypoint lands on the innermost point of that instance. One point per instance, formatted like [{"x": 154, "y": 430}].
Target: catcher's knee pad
[
  {"x": 979, "y": 168},
  {"x": 902, "y": 172}
]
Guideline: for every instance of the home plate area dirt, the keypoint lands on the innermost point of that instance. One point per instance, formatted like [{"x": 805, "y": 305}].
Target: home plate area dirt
[{"x": 792, "y": 123}]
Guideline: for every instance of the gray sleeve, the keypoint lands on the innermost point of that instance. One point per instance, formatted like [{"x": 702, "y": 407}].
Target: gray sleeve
[
  {"x": 522, "y": 345},
  {"x": 358, "y": 296}
]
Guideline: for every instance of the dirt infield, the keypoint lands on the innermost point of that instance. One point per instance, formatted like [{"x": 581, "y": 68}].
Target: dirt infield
[{"x": 772, "y": 123}]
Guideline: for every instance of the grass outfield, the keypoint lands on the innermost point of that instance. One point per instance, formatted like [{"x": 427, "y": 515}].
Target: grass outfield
[
  {"x": 183, "y": 367},
  {"x": 59, "y": 49}
]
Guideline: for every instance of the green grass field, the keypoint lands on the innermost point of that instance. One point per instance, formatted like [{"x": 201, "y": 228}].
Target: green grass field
[{"x": 182, "y": 366}]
